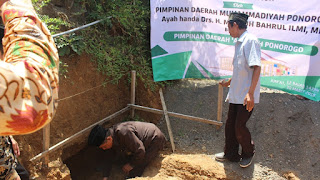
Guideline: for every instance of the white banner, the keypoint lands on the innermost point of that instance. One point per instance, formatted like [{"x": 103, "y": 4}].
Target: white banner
[{"x": 190, "y": 39}]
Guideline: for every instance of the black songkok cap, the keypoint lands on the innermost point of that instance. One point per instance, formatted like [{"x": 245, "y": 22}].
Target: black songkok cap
[
  {"x": 97, "y": 136},
  {"x": 238, "y": 16}
]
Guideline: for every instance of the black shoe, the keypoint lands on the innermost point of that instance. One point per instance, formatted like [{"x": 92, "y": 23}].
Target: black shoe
[
  {"x": 222, "y": 157},
  {"x": 246, "y": 161}
]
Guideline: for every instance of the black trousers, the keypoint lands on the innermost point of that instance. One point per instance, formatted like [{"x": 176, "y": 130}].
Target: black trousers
[
  {"x": 23, "y": 173},
  {"x": 237, "y": 133}
]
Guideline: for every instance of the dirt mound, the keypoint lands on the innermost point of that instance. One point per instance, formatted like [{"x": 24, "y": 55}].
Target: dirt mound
[
  {"x": 184, "y": 167},
  {"x": 168, "y": 165},
  {"x": 290, "y": 176},
  {"x": 284, "y": 128}
]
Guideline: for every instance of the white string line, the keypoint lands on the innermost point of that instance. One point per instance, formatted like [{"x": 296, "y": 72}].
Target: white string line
[
  {"x": 70, "y": 31},
  {"x": 81, "y": 92}
]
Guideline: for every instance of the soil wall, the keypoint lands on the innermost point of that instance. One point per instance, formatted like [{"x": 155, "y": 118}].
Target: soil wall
[{"x": 83, "y": 100}]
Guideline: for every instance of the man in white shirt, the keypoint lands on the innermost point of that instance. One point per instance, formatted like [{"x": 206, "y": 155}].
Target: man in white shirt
[{"x": 244, "y": 92}]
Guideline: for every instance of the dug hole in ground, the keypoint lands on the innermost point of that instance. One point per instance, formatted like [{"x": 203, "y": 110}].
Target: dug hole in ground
[{"x": 285, "y": 131}]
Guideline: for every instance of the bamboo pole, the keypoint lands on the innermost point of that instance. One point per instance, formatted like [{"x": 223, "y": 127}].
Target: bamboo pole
[
  {"x": 220, "y": 104},
  {"x": 81, "y": 27},
  {"x": 165, "y": 112},
  {"x": 46, "y": 141},
  {"x": 182, "y": 116},
  {"x": 78, "y": 134},
  {"x": 133, "y": 92}
]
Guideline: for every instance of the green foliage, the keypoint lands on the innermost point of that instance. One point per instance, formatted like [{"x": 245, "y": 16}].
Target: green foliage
[
  {"x": 121, "y": 43},
  {"x": 38, "y": 4},
  {"x": 53, "y": 24},
  {"x": 63, "y": 69},
  {"x": 118, "y": 44},
  {"x": 72, "y": 42}
]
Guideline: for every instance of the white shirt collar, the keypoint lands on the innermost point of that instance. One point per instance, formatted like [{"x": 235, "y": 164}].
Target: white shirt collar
[{"x": 243, "y": 35}]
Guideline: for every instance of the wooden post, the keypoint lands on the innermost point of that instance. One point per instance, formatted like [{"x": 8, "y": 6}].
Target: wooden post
[
  {"x": 133, "y": 92},
  {"x": 220, "y": 103},
  {"x": 165, "y": 112},
  {"x": 46, "y": 142}
]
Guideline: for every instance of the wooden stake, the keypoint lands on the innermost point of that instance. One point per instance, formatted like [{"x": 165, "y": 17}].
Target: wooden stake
[
  {"x": 165, "y": 112},
  {"x": 133, "y": 92},
  {"x": 220, "y": 104},
  {"x": 46, "y": 141}
]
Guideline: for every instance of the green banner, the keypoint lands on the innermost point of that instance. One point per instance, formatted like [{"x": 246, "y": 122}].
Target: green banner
[
  {"x": 302, "y": 85},
  {"x": 171, "y": 66},
  {"x": 191, "y": 39},
  {"x": 237, "y": 5},
  {"x": 198, "y": 36},
  {"x": 174, "y": 66},
  {"x": 266, "y": 44},
  {"x": 288, "y": 47}
]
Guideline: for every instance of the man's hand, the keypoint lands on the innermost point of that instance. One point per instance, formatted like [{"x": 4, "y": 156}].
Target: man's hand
[
  {"x": 127, "y": 168},
  {"x": 105, "y": 178},
  {"x": 15, "y": 146},
  {"x": 249, "y": 101},
  {"x": 225, "y": 83}
]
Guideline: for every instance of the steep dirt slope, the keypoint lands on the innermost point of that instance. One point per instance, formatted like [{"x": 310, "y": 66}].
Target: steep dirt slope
[{"x": 85, "y": 97}]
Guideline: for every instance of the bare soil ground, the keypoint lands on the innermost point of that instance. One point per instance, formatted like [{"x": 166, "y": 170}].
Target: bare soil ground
[
  {"x": 85, "y": 97},
  {"x": 82, "y": 102},
  {"x": 284, "y": 128},
  {"x": 285, "y": 131}
]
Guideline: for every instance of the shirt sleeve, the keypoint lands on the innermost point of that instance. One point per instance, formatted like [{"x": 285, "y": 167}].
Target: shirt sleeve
[
  {"x": 28, "y": 72},
  {"x": 134, "y": 145},
  {"x": 253, "y": 52}
]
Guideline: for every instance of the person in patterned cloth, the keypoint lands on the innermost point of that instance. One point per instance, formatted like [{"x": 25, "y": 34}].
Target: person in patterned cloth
[
  {"x": 28, "y": 70},
  {"x": 28, "y": 81},
  {"x": 10, "y": 168}
]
